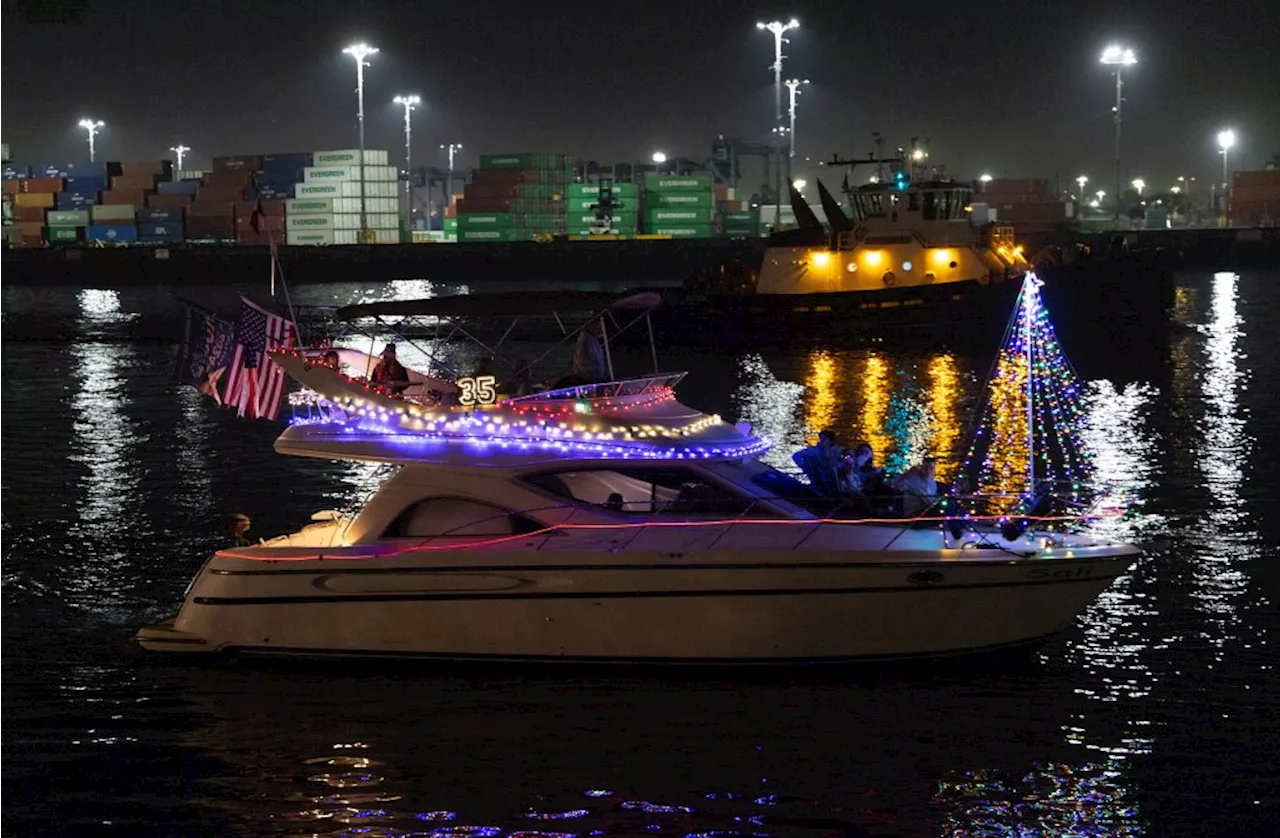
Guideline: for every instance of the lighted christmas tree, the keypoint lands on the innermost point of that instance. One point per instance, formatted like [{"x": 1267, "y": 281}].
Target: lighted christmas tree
[{"x": 1027, "y": 435}]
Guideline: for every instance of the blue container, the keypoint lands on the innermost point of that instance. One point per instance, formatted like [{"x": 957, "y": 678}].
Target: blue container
[
  {"x": 161, "y": 239},
  {"x": 101, "y": 171},
  {"x": 278, "y": 177},
  {"x": 86, "y": 185},
  {"x": 171, "y": 229},
  {"x": 75, "y": 200},
  {"x": 274, "y": 193},
  {"x": 150, "y": 216},
  {"x": 110, "y": 233},
  {"x": 13, "y": 171},
  {"x": 287, "y": 160},
  {"x": 178, "y": 187}
]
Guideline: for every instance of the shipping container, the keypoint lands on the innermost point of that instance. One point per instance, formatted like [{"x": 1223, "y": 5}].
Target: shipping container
[
  {"x": 266, "y": 224},
  {"x": 620, "y": 219},
  {"x": 696, "y": 182},
  {"x": 218, "y": 229},
  {"x": 344, "y": 189},
  {"x": 691, "y": 215},
  {"x": 113, "y": 214},
  {"x": 102, "y": 171},
  {"x": 110, "y": 233},
  {"x": 86, "y": 185},
  {"x": 228, "y": 178},
  {"x": 40, "y": 184},
  {"x": 486, "y": 235},
  {"x": 266, "y": 207},
  {"x": 372, "y": 221},
  {"x": 219, "y": 194},
  {"x": 139, "y": 182},
  {"x": 158, "y": 216},
  {"x": 67, "y": 218},
  {"x": 11, "y": 187},
  {"x": 16, "y": 170},
  {"x": 309, "y": 206},
  {"x": 525, "y": 161},
  {"x": 309, "y": 222},
  {"x": 168, "y": 202},
  {"x": 677, "y": 231},
  {"x": 288, "y": 160},
  {"x": 1016, "y": 186},
  {"x": 165, "y": 228},
  {"x": 1262, "y": 177},
  {"x": 21, "y": 213},
  {"x": 1253, "y": 193},
  {"x": 273, "y": 193},
  {"x": 240, "y": 163},
  {"x": 592, "y": 190},
  {"x": 308, "y": 237},
  {"x": 62, "y": 235},
  {"x": 178, "y": 187},
  {"x": 745, "y": 217},
  {"x": 487, "y": 220},
  {"x": 654, "y": 200},
  {"x": 132, "y": 197},
  {"x": 212, "y": 209},
  {"x": 349, "y": 157},
  {"x": 158, "y": 168},
  {"x": 75, "y": 200},
  {"x": 45, "y": 200},
  {"x": 189, "y": 174}
]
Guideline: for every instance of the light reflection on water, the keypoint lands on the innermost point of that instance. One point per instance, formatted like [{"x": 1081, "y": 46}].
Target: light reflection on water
[{"x": 1152, "y": 700}]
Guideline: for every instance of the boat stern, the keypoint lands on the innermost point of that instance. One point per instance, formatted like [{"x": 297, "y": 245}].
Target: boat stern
[{"x": 163, "y": 637}]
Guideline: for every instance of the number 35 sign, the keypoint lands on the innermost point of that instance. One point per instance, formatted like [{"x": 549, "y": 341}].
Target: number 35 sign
[{"x": 478, "y": 390}]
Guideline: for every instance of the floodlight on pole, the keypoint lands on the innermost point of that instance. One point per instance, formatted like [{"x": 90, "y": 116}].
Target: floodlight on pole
[
  {"x": 408, "y": 102},
  {"x": 1118, "y": 57},
  {"x": 1226, "y": 140},
  {"x": 778, "y": 28},
  {"x": 659, "y": 157},
  {"x": 92, "y": 126},
  {"x": 360, "y": 52},
  {"x": 793, "y": 86},
  {"x": 985, "y": 178},
  {"x": 452, "y": 147},
  {"x": 181, "y": 151},
  {"x": 1138, "y": 185}
]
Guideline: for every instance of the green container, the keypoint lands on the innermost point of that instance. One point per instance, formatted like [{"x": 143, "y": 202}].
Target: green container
[
  {"x": 746, "y": 218},
  {"x": 696, "y": 182},
  {"x": 592, "y": 190},
  {"x": 451, "y": 224},
  {"x": 742, "y": 232},
  {"x": 486, "y": 235},
  {"x": 621, "y": 219},
  {"x": 682, "y": 231},
  {"x": 653, "y": 200},
  {"x": 485, "y": 220},
  {"x": 551, "y": 162},
  {"x": 543, "y": 191},
  {"x": 62, "y": 234},
  {"x": 686, "y": 216},
  {"x": 579, "y": 206}
]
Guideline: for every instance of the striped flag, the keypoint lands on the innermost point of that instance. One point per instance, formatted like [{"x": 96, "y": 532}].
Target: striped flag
[{"x": 254, "y": 385}]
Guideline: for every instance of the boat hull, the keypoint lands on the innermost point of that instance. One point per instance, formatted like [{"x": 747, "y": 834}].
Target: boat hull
[{"x": 719, "y": 611}]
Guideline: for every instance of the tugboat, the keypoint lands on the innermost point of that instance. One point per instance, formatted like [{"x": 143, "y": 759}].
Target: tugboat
[{"x": 904, "y": 257}]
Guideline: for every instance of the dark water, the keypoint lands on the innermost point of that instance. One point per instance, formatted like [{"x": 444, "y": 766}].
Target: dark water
[{"x": 1156, "y": 714}]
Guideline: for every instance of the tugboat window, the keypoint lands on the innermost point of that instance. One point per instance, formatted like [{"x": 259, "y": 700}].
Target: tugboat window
[{"x": 457, "y": 517}]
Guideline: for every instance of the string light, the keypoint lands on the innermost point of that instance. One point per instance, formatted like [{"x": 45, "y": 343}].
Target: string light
[{"x": 1030, "y": 425}]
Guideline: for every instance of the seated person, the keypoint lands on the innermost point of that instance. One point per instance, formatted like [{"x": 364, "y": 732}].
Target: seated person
[
  {"x": 389, "y": 372},
  {"x": 819, "y": 463},
  {"x": 870, "y": 477},
  {"x": 918, "y": 486},
  {"x": 614, "y": 502},
  {"x": 331, "y": 359}
]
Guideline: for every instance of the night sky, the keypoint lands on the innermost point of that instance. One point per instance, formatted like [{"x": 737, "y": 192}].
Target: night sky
[{"x": 1014, "y": 89}]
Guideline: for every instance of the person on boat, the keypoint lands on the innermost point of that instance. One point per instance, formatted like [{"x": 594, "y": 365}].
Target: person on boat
[
  {"x": 918, "y": 486},
  {"x": 614, "y": 502},
  {"x": 389, "y": 372},
  {"x": 238, "y": 523},
  {"x": 331, "y": 359},
  {"x": 820, "y": 463},
  {"x": 589, "y": 365}
]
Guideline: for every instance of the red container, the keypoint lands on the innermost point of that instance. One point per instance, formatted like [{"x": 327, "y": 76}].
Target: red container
[
  {"x": 12, "y": 187},
  {"x": 271, "y": 208},
  {"x": 147, "y": 182},
  {"x": 226, "y": 177},
  {"x": 221, "y": 210},
  {"x": 28, "y": 214},
  {"x": 210, "y": 228},
  {"x": 40, "y": 184},
  {"x": 1266, "y": 177},
  {"x": 243, "y": 163},
  {"x": 994, "y": 198},
  {"x": 168, "y": 202},
  {"x": 29, "y": 228},
  {"x": 264, "y": 239},
  {"x": 1253, "y": 193},
  {"x": 499, "y": 176},
  {"x": 220, "y": 194},
  {"x": 1016, "y": 186},
  {"x": 136, "y": 197},
  {"x": 268, "y": 223}
]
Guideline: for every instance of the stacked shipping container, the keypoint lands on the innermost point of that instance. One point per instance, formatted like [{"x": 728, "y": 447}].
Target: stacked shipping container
[
  {"x": 516, "y": 197},
  {"x": 326, "y": 203},
  {"x": 1254, "y": 199},
  {"x": 584, "y": 197},
  {"x": 1024, "y": 202},
  {"x": 680, "y": 206}
]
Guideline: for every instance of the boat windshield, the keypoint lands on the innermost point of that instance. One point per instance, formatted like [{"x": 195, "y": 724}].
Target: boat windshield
[{"x": 779, "y": 484}]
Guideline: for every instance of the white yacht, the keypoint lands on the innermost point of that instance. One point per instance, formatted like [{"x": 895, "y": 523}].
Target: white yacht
[{"x": 609, "y": 523}]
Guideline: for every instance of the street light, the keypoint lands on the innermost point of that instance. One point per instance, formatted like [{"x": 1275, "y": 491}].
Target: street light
[
  {"x": 1118, "y": 57},
  {"x": 800, "y": 184},
  {"x": 1226, "y": 140},
  {"x": 1082, "y": 180},
  {"x": 793, "y": 86},
  {"x": 92, "y": 126},
  {"x": 408, "y": 102},
  {"x": 181, "y": 151},
  {"x": 452, "y": 147},
  {"x": 1138, "y": 185},
  {"x": 659, "y": 157},
  {"x": 360, "y": 52},
  {"x": 778, "y": 28},
  {"x": 985, "y": 178}
]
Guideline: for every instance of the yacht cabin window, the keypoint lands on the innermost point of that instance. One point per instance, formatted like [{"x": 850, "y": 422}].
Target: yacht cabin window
[
  {"x": 649, "y": 491},
  {"x": 457, "y": 517}
]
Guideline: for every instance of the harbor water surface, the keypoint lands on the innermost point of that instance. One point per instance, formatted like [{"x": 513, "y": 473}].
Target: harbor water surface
[{"x": 1156, "y": 714}]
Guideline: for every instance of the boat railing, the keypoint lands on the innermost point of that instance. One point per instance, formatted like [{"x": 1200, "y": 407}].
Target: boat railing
[
  {"x": 605, "y": 390},
  {"x": 959, "y": 521}
]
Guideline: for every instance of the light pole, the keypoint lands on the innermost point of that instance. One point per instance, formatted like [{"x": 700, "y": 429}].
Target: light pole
[
  {"x": 181, "y": 151},
  {"x": 1081, "y": 181},
  {"x": 1138, "y": 185},
  {"x": 1226, "y": 139},
  {"x": 408, "y": 102},
  {"x": 659, "y": 158},
  {"x": 92, "y": 126},
  {"x": 793, "y": 87},
  {"x": 360, "y": 52},
  {"x": 1118, "y": 57},
  {"x": 452, "y": 147},
  {"x": 778, "y": 28}
]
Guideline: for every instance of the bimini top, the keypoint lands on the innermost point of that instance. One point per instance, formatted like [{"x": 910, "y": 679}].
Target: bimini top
[
  {"x": 635, "y": 419},
  {"x": 507, "y": 304}
]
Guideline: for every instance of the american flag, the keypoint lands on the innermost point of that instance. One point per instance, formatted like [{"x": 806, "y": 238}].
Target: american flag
[{"x": 254, "y": 384}]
